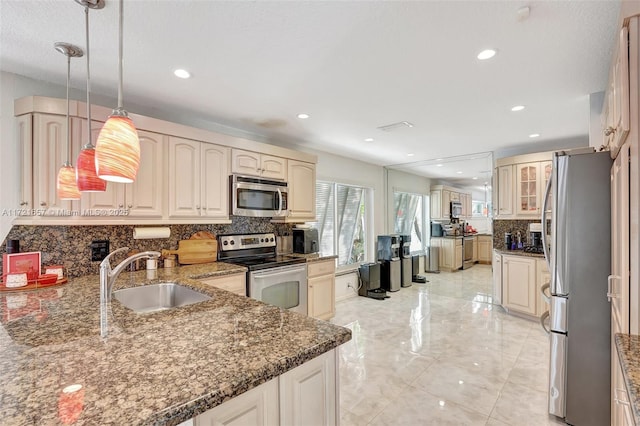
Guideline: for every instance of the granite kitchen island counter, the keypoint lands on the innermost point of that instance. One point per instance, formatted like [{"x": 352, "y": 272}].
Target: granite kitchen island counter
[
  {"x": 159, "y": 368},
  {"x": 628, "y": 351}
]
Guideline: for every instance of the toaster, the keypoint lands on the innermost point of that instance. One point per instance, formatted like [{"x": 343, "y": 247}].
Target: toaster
[{"x": 305, "y": 241}]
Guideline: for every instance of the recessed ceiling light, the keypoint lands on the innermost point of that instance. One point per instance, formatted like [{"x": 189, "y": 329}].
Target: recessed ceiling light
[
  {"x": 438, "y": 165},
  {"x": 303, "y": 116},
  {"x": 517, "y": 108},
  {"x": 486, "y": 54},
  {"x": 368, "y": 140},
  {"x": 475, "y": 178},
  {"x": 534, "y": 135},
  {"x": 459, "y": 172},
  {"x": 182, "y": 73},
  {"x": 410, "y": 154}
]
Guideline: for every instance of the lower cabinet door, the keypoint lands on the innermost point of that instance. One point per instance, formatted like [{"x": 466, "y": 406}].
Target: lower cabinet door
[
  {"x": 257, "y": 407},
  {"x": 321, "y": 295},
  {"x": 519, "y": 283},
  {"x": 308, "y": 393}
]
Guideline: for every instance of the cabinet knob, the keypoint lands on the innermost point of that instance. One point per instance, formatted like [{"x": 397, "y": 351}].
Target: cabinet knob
[
  {"x": 24, "y": 203},
  {"x": 120, "y": 205},
  {"x": 43, "y": 204},
  {"x": 129, "y": 206},
  {"x": 609, "y": 130},
  {"x": 198, "y": 207}
]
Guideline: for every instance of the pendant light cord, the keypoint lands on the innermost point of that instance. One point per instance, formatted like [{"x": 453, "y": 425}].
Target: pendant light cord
[
  {"x": 120, "y": 51},
  {"x": 68, "y": 163},
  {"x": 89, "y": 144}
]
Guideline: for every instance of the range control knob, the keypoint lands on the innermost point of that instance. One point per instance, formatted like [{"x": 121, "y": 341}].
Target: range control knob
[
  {"x": 262, "y": 240},
  {"x": 271, "y": 239},
  {"x": 225, "y": 242},
  {"x": 232, "y": 242}
]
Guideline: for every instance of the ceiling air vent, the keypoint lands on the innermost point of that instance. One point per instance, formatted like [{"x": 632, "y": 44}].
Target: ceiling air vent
[{"x": 395, "y": 126}]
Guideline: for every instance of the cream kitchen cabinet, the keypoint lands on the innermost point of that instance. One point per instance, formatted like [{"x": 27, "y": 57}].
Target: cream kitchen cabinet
[
  {"x": 306, "y": 395},
  {"x": 198, "y": 179},
  {"x": 621, "y": 413},
  {"x": 321, "y": 285},
  {"x": 505, "y": 194},
  {"x": 543, "y": 276},
  {"x": 255, "y": 164},
  {"x": 474, "y": 256},
  {"x": 519, "y": 284},
  {"x": 497, "y": 277},
  {"x": 142, "y": 198},
  {"x": 440, "y": 201},
  {"x": 616, "y": 103},
  {"x": 450, "y": 253},
  {"x": 302, "y": 192},
  {"x": 256, "y": 407},
  {"x": 485, "y": 243},
  {"x": 46, "y": 144},
  {"x": 531, "y": 179},
  {"x": 24, "y": 133},
  {"x": 235, "y": 283}
]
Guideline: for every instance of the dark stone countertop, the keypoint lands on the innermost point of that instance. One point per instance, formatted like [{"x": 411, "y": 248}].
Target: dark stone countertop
[
  {"x": 628, "y": 346},
  {"x": 159, "y": 368},
  {"x": 312, "y": 257},
  {"x": 520, "y": 253}
]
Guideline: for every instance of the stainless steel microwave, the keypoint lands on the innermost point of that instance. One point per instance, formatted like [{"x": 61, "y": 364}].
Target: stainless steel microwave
[
  {"x": 456, "y": 210},
  {"x": 256, "y": 197}
]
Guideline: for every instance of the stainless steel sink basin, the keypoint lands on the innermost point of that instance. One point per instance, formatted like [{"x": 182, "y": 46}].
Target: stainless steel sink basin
[{"x": 158, "y": 297}]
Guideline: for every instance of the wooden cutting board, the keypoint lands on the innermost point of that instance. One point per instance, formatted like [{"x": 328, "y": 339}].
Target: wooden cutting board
[{"x": 195, "y": 251}]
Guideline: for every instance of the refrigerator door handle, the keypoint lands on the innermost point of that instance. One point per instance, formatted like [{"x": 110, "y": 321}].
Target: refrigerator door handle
[
  {"x": 545, "y": 247},
  {"x": 543, "y": 318},
  {"x": 546, "y": 296},
  {"x": 610, "y": 293}
]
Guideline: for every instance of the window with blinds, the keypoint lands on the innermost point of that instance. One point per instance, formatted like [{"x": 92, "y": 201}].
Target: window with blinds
[
  {"x": 410, "y": 216},
  {"x": 340, "y": 220}
]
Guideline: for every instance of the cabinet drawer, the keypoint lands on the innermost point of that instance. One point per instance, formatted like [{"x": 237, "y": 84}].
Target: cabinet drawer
[
  {"x": 232, "y": 283},
  {"x": 323, "y": 267}
]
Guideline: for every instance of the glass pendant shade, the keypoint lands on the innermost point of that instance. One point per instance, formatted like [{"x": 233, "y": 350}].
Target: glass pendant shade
[
  {"x": 118, "y": 150},
  {"x": 88, "y": 180},
  {"x": 66, "y": 185}
]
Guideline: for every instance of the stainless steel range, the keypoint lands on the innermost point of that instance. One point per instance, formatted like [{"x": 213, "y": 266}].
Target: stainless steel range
[{"x": 274, "y": 279}]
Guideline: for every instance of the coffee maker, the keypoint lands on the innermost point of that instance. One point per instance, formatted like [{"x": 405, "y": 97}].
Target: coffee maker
[
  {"x": 369, "y": 275},
  {"x": 389, "y": 257},
  {"x": 535, "y": 237},
  {"x": 405, "y": 260}
]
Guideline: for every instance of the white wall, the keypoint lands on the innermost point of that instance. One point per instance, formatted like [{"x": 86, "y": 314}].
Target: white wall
[{"x": 596, "y": 104}]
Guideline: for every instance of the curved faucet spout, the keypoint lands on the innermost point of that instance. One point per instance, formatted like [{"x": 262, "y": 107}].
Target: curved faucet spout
[{"x": 108, "y": 276}]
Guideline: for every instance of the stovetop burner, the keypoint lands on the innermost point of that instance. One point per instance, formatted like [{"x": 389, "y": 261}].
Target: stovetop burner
[{"x": 254, "y": 251}]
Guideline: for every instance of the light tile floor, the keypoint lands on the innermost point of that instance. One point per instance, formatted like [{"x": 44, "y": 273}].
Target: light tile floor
[{"x": 441, "y": 354}]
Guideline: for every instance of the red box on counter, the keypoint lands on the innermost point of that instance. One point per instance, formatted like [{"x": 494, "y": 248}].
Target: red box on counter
[{"x": 29, "y": 262}]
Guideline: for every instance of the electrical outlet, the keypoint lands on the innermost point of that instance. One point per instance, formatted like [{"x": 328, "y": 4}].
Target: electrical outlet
[{"x": 99, "y": 250}]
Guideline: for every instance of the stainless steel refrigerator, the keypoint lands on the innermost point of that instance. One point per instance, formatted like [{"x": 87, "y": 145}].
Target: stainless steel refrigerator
[{"x": 579, "y": 260}]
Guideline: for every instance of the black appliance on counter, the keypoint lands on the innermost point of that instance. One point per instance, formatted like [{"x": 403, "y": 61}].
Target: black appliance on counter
[
  {"x": 305, "y": 241},
  {"x": 406, "y": 274},
  {"x": 389, "y": 256},
  {"x": 369, "y": 275}
]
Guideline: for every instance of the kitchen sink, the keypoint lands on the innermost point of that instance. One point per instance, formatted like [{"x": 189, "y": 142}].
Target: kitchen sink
[{"x": 158, "y": 297}]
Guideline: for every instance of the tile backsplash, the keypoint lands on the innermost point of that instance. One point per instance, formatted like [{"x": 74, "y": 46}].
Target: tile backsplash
[
  {"x": 513, "y": 226},
  {"x": 70, "y": 246}
]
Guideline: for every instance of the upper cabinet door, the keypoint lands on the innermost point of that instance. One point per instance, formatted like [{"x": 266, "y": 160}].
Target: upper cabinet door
[
  {"x": 302, "y": 190},
  {"x": 436, "y": 204},
  {"x": 273, "y": 167},
  {"x": 616, "y": 116},
  {"x": 24, "y": 133},
  {"x": 245, "y": 162},
  {"x": 527, "y": 182},
  {"x": 144, "y": 196},
  {"x": 184, "y": 178},
  {"x": 505, "y": 190},
  {"x": 215, "y": 181},
  {"x": 49, "y": 153}
]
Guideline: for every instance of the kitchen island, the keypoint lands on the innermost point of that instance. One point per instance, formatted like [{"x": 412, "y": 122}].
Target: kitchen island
[{"x": 159, "y": 368}]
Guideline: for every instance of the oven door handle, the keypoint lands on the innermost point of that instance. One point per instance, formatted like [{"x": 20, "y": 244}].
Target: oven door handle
[{"x": 275, "y": 274}]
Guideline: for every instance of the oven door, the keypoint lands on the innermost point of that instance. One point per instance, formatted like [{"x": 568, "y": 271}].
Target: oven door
[{"x": 282, "y": 286}]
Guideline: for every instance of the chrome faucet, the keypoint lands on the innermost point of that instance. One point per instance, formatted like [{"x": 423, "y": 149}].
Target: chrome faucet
[{"x": 108, "y": 276}]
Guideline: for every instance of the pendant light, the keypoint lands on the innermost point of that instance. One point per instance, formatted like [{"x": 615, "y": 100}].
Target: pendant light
[
  {"x": 66, "y": 183},
  {"x": 118, "y": 147},
  {"x": 86, "y": 177}
]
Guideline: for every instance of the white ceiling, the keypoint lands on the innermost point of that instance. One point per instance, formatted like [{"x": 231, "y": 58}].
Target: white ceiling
[{"x": 352, "y": 65}]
